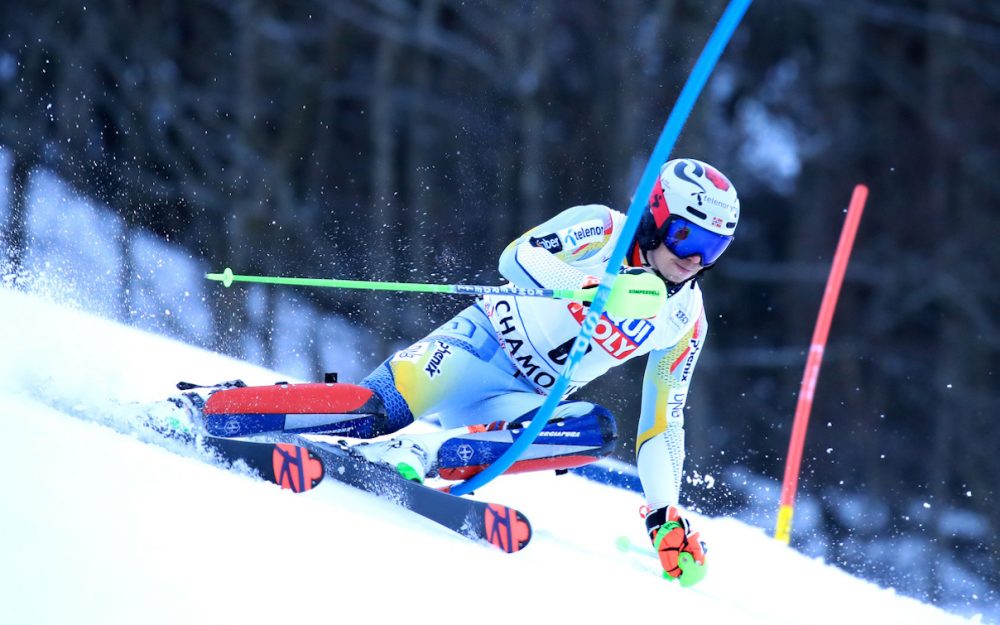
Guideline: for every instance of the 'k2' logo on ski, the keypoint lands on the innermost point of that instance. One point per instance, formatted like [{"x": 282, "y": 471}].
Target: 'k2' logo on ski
[{"x": 618, "y": 337}]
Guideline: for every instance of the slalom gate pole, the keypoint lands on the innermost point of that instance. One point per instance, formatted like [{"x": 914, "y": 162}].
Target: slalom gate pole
[
  {"x": 807, "y": 389},
  {"x": 723, "y": 32}
]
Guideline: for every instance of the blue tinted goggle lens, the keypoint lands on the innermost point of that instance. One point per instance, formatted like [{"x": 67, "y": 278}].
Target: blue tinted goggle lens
[{"x": 684, "y": 238}]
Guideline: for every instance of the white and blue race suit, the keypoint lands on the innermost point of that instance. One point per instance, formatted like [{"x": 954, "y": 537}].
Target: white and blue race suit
[{"x": 497, "y": 359}]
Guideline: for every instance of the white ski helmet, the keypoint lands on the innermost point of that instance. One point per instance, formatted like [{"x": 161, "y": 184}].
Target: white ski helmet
[{"x": 693, "y": 209}]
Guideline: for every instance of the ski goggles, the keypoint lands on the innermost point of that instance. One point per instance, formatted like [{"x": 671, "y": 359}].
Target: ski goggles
[{"x": 685, "y": 238}]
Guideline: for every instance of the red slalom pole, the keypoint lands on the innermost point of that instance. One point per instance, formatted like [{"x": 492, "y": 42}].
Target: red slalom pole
[{"x": 807, "y": 389}]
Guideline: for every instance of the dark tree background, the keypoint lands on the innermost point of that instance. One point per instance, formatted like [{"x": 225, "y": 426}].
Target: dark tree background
[{"x": 413, "y": 139}]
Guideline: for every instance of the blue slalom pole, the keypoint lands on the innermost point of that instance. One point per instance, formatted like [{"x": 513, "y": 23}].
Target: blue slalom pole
[{"x": 723, "y": 32}]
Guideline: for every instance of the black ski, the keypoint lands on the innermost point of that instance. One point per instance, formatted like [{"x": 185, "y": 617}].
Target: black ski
[
  {"x": 289, "y": 466},
  {"x": 300, "y": 464}
]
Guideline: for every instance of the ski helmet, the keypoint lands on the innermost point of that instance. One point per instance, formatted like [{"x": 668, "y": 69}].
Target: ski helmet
[{"x": 693, "y": 209}]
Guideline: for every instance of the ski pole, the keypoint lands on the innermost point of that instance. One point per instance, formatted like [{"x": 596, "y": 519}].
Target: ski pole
[{"x": 639, "y": 297}]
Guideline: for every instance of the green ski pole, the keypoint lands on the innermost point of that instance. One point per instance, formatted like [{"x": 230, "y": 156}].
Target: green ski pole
[{"x": 639, "y": 296}]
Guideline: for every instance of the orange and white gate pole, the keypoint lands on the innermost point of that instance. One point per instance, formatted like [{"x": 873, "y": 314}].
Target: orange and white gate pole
[{"x": 807, "y": 389}]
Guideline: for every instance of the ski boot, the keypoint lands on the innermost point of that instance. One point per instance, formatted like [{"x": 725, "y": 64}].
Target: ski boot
[
  {"x": 460, "y": 453},
  {"x": 183, "y": 415},
  {"x": 406, "y": 454}
]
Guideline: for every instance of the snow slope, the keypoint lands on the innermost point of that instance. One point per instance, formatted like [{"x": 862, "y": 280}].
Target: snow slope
[{"x": 99, "y": 527}]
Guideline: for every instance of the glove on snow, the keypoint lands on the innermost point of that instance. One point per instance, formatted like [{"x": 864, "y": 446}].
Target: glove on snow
[{"x": 672, "y": 538}]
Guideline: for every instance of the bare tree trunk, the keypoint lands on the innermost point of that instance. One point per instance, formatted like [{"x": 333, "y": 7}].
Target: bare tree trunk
[
  {"x": 641, "y": 58},
  {"x": 384, "y": 191},
  {"x": 532, "y": 181},
  {"x": 950, "y": 370},
  {"x": 17, "y": 218},
  {"x": 240, "y": 234},
  {"x": 507, "y": 200},
  {"x": 387, "y": 239},
  {"x": 812, "y": 229},
  {"x": 630, "y": 110},
  {"x": 126, "y": 270},
  {"x": 421, "y": 211}
]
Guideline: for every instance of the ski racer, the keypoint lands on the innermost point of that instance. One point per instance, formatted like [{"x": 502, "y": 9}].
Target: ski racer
[{"x": 485, "y": 372}]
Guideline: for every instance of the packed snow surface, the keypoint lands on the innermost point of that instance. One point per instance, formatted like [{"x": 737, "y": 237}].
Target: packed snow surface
[{"x": 101, "y": 527}]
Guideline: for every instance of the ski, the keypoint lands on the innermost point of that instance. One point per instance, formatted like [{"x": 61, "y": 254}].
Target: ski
[
  {"x": 299, "y": 464},
  {"x": 292, "y": 467}
]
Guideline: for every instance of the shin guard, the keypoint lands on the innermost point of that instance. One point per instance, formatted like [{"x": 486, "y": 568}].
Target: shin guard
[
  {"x": 341, "y": 409},
  {"x": 562, "y": 444}
]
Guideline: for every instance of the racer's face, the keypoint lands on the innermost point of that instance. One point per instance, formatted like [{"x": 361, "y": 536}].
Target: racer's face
[{"x": 672, "y": 267}]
